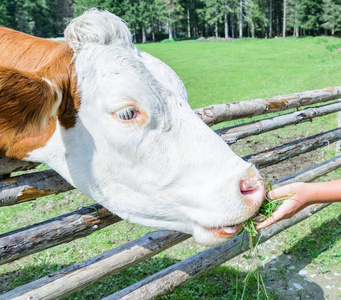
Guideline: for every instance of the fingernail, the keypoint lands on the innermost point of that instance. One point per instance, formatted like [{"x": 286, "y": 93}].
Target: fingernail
[
  {"x": 259, "y": 218},
  {"x": 268, "y": 195}
]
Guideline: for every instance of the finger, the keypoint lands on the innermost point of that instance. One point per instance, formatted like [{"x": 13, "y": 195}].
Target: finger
[
  {"x": 259, "y": 218},
  {"x": 280, "y": 192},
  {"x": 276, "y": 216},
  {"x": 267, "y": 222}
]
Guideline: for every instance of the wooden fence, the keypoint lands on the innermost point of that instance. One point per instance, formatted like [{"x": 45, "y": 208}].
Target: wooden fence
[{"x": 29, "y": 186}]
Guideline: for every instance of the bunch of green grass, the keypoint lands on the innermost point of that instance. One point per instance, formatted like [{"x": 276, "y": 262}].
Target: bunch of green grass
[{"x": 265, "y": 211}]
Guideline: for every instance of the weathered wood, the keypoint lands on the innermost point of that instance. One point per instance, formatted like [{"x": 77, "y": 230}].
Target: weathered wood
[
  {"x": 233, "y": 134},
  {"x": 274, "y": 155},
  {"x": 8, "y": 165},
  {"x": 62, "y": 229},
  {"x": 78, "y": 276},
  {"x": 338, "y": 145},
  {"x": 168, "y": 279},
  {"x": 311, "y": 173},
  {"x": 215, "y": 114},
  {"x": 26, "y": 187}
]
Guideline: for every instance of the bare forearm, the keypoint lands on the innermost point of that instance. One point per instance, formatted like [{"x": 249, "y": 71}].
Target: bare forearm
[{"x": 323, "y": 192}]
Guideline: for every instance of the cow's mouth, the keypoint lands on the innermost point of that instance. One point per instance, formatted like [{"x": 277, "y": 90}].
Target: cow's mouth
[
  {"x": 227, "y": 231},
  {"x": 253, "y": 191},
  {"x": 249, "y": 191}
]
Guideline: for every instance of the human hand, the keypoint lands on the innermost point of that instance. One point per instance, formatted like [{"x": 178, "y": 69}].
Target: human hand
[{"x": 290, "y": 206}]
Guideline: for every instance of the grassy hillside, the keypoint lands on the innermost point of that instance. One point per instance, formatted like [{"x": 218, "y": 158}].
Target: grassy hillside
[
  {"x": 217, "y": 72},
  {"x": 213, "y": 72}
]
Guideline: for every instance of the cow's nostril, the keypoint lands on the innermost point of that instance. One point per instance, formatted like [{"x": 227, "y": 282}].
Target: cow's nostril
[{"x": 248, "y": 186}]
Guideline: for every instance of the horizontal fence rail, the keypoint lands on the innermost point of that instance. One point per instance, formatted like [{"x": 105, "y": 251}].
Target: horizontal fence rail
[
  {"x": 170, "y": 278},
  {"x": 73, "y": 278},
  {"x": 78, "y": 276},
  {"x": 18, "y": 189},
  {"x": 233, "y": 134},
  {"x": 8, "y": 165},
  {"x": 62, "y": 229},
  {"x": 215, "y": 114},
  {"x": 277, "y": 154}
]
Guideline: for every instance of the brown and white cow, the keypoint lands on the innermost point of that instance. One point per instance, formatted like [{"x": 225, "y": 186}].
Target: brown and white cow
[{"x": 115, "y": 122}]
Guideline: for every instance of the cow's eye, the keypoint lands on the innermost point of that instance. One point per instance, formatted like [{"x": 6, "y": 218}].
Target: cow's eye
[{"x": 127, "y": 113}]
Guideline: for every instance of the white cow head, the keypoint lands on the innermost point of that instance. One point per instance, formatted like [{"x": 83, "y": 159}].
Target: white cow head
[{"x": 139, "y": 149}]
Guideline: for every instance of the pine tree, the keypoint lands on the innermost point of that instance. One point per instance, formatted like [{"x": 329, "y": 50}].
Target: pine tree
[
  {"x": 254, "y": 16},
  {"x": 213, "y": 12},
  {"x": 172, "y": 10},
  {"x": 4, "y": 19},
  {"x": 331, "y": 16}
]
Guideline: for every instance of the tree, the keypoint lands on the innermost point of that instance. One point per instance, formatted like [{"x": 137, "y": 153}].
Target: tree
[
  {"x": 240, "y": 18},
  {"x": 305, "y": 16},
  {"x": 61, "y": 12},
  {"x": 4, "y": 19},
  {"x": 270, "y": 18},
  {"x": 229, "y": 9},
  {"x": 254, "y": 16},
  {"x": 189, "y": 7},
  {"x": 213, "y": 12},
  {"x": 284, "y": 17},
  {"x": 172, "y": 9},
  {"x": 331, "y": 16},
  {"x": 82, "y": 5},
  {"x": 159, "y": 16},
  {"x": 311, "y": 16},
  {"x": 295, "y": 16}
]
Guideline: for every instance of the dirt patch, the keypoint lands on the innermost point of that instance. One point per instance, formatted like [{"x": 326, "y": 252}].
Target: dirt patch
[
  {"x": 286, "y": 167},
  {"x": 215, "y": 39},
  {"x": 337, "y": 51},
  {"x": 291, "y": 277}
]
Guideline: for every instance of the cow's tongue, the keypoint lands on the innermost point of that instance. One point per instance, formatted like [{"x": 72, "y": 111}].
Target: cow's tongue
[{"x": 227, "y": 231}]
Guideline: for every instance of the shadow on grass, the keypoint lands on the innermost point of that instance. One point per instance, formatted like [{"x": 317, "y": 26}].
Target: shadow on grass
[
  {"x": 221, "y": 283},
  {"x": 319, "y": 240}
]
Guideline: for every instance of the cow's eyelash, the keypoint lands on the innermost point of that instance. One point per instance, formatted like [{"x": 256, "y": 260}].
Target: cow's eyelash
[{"x": 127, "y": 113}]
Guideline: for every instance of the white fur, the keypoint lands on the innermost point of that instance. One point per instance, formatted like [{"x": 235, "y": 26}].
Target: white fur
[
  {"x": 173, "y": 171},
  {"x": 97, "y": 27},
  {"x": 56, "y": 104}
]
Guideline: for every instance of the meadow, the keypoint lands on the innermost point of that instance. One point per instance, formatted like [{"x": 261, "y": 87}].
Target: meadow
[{"x": 213, "y": 72}]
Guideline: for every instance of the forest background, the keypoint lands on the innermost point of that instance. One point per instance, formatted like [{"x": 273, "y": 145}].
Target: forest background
[{"x": 156, "y": 20}]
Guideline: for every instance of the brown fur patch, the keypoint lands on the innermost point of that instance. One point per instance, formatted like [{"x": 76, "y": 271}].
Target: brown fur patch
[
  {"x": 24, "y": 52},
  {"x": 26, "y": 99},
  {"x": 26, "y": 102}
]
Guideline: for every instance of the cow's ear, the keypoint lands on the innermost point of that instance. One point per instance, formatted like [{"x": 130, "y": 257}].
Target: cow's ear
[
  {"x": 97, "y": 27},
  {"x": 27, "y": 101}
]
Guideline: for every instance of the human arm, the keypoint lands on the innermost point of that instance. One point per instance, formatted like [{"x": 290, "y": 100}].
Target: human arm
[{"x": 303, "y": 195}]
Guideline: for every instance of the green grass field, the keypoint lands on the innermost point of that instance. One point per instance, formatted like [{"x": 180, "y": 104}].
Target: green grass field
[{"x": 213, "y": 72}]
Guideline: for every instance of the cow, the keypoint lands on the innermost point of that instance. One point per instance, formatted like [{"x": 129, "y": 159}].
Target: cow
[{"x": 115, "y": 122}]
